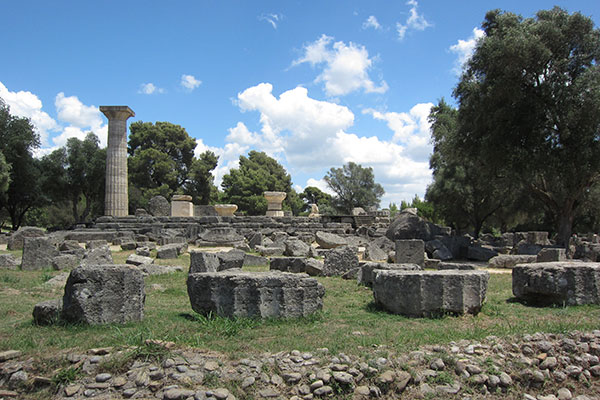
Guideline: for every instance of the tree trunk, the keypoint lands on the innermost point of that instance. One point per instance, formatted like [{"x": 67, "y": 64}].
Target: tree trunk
[{"x": 565, "y": 224}]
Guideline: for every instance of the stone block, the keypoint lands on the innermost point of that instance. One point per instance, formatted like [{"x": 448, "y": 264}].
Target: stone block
[
  {"x": 168, "y": 251},
  {"x": 562, "y": 283},
  {"x": 270, "y": 251},
  {"x": 251, "y": 260},
  {"x": 159, "y": 206},
  {"x": 65, "y": 261},
  {"x": 47, "y": 312},
  {"x": 374, "y": 253},
  {"x": 289, "y": 264},
  {"x": 182, "y": 208},
  {"x": 430, "y": 293},
  {"x": 410, "y": 251},
  {"x": 551, "y": 254},
  {"x": 296, "y": 248},
  {"x": 8, "y": 261},
  {"x": 436, "y": 249},
  {"x": 257, "y": 294},
  {"x": 481, "y": 253},
  {"x": 38, "y": 253},
  {"x": 137, "y": 260},
  {"x": 366, "y": 273},
  {"x": 510, "y": 260},
  {"x": 201, "y": 261},
  {"x": 457, "y": 265},
  {"x": 328, "y": 240},
  {"x": 340, "y": 260},
  {"x": 16, "y": 239},
  {"x": 104, "y": 294},
  {"x": 205, "y": 211},
  {"x": 97, "y": 255}
]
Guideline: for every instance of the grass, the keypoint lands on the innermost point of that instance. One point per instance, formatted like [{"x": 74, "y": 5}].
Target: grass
[{"x": 348, "y": 309}]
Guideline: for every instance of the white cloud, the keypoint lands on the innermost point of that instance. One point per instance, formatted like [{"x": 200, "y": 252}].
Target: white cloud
[
  {"x": 319, "y": 184},
  {"x": 271, "y": 18},
  {"x": 371, "y": 22},
  {"x": 464, "y": 49},
  {"x": 229, "y": 156},
  {"x": 150, "y": 88},
  {"x": 190, "y": 82},
  {"x": 414, "y": 21},
  {"x": 28, "y": 105},
  {"x": 75, "y": 119},
  {"x": 412, "y": 129},
  {"x": 346, "y": 66}
]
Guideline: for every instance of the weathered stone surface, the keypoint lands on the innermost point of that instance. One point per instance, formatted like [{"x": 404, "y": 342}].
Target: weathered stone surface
[
  {"x": 103, "y": 294},
  {"x": 65, "y": 261},
  {"x": 340, "y": 260},
  {"x": 410, "y": 226},
  {"x": 258, "y": 294},
  {"x": 296, "y": 248},
  {"x": 96, "y": 244},
  {"x": 168, "y": 251},
  {"x": 255, "y": 239},
  {"x": 97, "y": 256},
  {"x": 329, "y": 240},
  {"x": 551, "y": 254},
  {"x": 313, "y": 267},
  {"x": 436, "y": 249},
  {"x": 429, "y": 293},
  {"x": 410, "y": 251},
  {"x": 374, "y": 253},
  {"x": 251, "y": 260},
  {"x": 38, "y": 253},
  {"x": 481, "y": 253},
  {"x": 15, "y": 241},
  {"x": 295, "y": 265},
  {"x": 201, "y": 261},
  {"x": 269, "y": 251},
  {"x": 457, "y": 265},
  {"x": 510, "y": 260},
  {"x": 47, "y": 312},
  {"x": 367, "y": 271},
  {"x": 8, "y": 261},
  {"x": 219, "y": 237},
  {"x": 205, "y": 211},
  {"x": 159, "y": 206},
  {"x": 569, "y": 283},
  {"x": 136, "y": 260}
]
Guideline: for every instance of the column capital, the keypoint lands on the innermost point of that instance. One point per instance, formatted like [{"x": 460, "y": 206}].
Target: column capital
[{"x": 121, "y": 113}]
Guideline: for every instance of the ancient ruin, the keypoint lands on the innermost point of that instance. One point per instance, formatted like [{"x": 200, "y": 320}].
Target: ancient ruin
[{"x": 116, "y": 198}]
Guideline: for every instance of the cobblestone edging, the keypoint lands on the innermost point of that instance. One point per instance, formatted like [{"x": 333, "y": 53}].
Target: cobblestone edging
[{"x": 538, "y": 367}]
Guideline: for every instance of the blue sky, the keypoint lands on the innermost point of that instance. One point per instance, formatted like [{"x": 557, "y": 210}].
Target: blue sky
[{"x": 315, "y": 84}]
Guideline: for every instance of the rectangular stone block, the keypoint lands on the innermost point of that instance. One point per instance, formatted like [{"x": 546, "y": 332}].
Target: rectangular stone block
[
  {"x": 549, "y": 255},
  {"x": 410, "y": 251},
  {"x": 182, "y": 209}
]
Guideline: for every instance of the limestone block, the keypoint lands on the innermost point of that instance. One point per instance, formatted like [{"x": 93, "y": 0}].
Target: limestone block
[
  {"x": 258, "y": 294},
  {"x": 167, "y": 251},
  {"x": 510, "y": 260},
  {"x": 340, "y": 260},
  {"x": 38, "y": 253},
  {"x": 97, "y": 255},
  {"x": 366, "y": 273},
  {"x": 182, "y": 208},
  {"x": 159, "y": 206},
  {"x": 8, "y": 261},
  {"x": 15, "y": 241},
  {"x": 201, "y": 261},
  {"x": 328, "y": 240},
  {"x": 430, "y": 293},
  {"x": 104, "y": 294},
  {"x": 65, "y": 261},
  {"x": 567, "y": 282},
  {"x": 481, "y": 253},
  {"x": 410, "y": 251},
  {"x": 137, "y": 260},
  {"x": 296, "y": 248},
  {"x": 226, "y": 210},
  {"x": 296, "y": 265},
  {"x": 47, "y": 312},
  {"x": 551, "y": 254}
]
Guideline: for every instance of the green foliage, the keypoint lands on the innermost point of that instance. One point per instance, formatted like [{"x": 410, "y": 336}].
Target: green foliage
[
  {"x": 74, "y": 174},
  {"x": 425, "y": 209},
  {"x": 393, "y": 209},
  {"x": 66, "y": 376},
  {"x": 4, "y": 175},
  {"x": 354, "y": 186},
  {"x": 314, "y": 195},
  {"x": 18, "y": 140},
  {"x": 200, "y": 185},
  {"x": 257, "y": 173},
  {"x": 293, "y": 202},
  {"x": 529, "y": 98},
  {"x": 160, "y": 158}
]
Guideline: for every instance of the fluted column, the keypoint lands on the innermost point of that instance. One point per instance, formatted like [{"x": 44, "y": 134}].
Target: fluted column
[{"x": 116, "y": 198}]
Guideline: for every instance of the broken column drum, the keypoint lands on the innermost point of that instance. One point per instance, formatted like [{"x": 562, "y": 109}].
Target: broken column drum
[
  {"x": 274, "y": 200},
  {"x": 116, "y": 198}
]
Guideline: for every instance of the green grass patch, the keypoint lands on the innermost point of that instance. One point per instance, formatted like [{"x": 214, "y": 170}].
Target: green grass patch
[{"x": 349, "y": 321}]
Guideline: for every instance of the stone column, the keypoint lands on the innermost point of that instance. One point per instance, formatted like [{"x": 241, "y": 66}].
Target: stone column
[
  {"x": 115, "y": 199},
  {"x": 274, "y": 200}
]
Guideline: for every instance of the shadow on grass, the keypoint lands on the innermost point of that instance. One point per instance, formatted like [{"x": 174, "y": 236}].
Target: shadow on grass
[
  {"x": 375, "y": 308},
  {"x": 547, "y": 302}
]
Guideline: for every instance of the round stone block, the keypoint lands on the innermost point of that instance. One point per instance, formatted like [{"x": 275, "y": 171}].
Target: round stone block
[
  {"x": 225, "y": 210},
  {"x": 430, "y": 293},
  {"x": 254, "y": 294},
  {"x": 564, "y": 283}
]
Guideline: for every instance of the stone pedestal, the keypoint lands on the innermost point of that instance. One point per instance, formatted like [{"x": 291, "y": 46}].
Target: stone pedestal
[
  {"x": 181, "y": 206},
  {"x": 410, "y": 251},
  {"x": 226, "y": 210},
  {"x": 274, "y": 200},
  {"x": 116, "y": 200}
]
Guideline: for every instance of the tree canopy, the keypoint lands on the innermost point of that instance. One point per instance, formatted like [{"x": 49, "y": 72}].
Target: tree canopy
[
  {"x": 354, "y": 186},
  {"x": 160, "y": 158},
  {"x": 256, "y": 174},
  {"x": 529, "y": 99},
  {"x": 18, "y": 140},
  {"x": 200, "y": 183}
]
